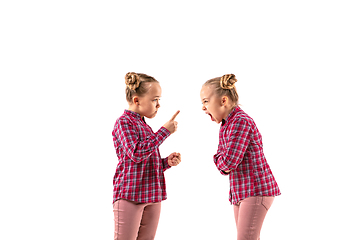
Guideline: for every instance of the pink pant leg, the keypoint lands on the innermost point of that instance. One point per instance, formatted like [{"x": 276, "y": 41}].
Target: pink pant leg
[
  {"x": 149, "y": 221},
  {"x": 135, "y": 221},
  {"x": 249, "y": 216}
]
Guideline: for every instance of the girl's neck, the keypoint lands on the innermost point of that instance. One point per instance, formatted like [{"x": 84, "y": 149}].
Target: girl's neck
[{"x": 227, "y": 113}]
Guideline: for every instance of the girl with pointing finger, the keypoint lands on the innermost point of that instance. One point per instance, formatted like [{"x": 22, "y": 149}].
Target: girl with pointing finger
[{"x": 139, "y": 183}]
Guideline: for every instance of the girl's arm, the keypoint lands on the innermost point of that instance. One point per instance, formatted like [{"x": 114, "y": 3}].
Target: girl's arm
[
  {"x": 138, "y": 150},
  {"x": 238, "y": 140}
]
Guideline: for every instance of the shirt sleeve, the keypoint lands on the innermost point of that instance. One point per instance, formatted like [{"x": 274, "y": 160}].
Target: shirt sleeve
[
  {"x": 231, "y": 153},
  {"x": 139, "y": 150},
  {"x": 165, "y": 162}
]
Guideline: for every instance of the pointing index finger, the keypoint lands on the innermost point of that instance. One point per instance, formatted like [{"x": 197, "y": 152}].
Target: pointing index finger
[{"x": 175, "y": 115}]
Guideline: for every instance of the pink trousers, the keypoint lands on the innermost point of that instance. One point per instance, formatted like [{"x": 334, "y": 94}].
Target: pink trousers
[
  {"x": 249, "y": 216},
  {"x": 135, "y": 221}
]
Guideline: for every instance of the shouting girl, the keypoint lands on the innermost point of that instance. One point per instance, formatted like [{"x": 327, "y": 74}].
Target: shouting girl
[{"x": 240, "y": 155}]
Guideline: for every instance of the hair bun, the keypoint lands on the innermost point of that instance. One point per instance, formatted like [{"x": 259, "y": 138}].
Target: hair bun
[
  {"x": 228, "y": 81},
  {"x": 132, "y": 80}
]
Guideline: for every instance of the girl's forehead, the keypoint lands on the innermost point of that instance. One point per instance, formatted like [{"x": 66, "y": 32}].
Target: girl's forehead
[
  {"x": 154, "y": 89},
  {"x": 206, "y": 92}
]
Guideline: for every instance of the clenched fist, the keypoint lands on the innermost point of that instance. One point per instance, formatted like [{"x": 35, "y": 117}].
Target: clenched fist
[
  {"x": 172, "y": 124},
  {"x": 174, "y": 159}
]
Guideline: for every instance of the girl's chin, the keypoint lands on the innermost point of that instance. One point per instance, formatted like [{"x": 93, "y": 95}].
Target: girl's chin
[{"x": 151, "y": 115}]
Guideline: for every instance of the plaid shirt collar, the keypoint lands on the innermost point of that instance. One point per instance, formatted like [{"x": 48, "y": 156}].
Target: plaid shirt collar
[
  {"x": 134, "y": 115},
  {"x": 230, "y": 116}
]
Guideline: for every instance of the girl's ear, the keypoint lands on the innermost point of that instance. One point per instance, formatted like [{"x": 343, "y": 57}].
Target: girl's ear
[
  {"x": 224, "y": 100},
  {"x": 136, "y": 100}
]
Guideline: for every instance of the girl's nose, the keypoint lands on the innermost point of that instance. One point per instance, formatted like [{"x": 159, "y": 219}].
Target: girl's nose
[{"x": 203, "y": 108}]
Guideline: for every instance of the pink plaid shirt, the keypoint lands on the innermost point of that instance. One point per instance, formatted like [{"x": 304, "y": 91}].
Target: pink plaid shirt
[
  {"x": 241, "y": 151},
  {"x": 139, "y": 175}
]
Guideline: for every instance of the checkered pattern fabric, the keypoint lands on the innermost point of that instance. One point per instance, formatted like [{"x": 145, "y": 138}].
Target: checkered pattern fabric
[
  {"x": 241, "y": 151},
  {"x": 139, "y": 174}
]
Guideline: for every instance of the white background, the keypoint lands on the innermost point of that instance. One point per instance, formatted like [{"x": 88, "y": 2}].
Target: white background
[{"x": 62, "y": 88}]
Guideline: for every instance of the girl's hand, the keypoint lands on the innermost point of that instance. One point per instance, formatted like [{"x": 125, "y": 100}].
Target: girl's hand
[
  {"x": 174, "y": 159},
  {"x": 172, "y": 124}
]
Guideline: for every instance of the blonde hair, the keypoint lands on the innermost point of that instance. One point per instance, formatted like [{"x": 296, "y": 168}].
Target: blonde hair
[
  {"x": 135, "y": 84},
  {"x": 225, "y": 86}
]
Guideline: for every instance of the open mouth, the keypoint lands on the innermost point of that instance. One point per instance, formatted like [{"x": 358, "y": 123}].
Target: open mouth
[{"x": 212, "y": 118}]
